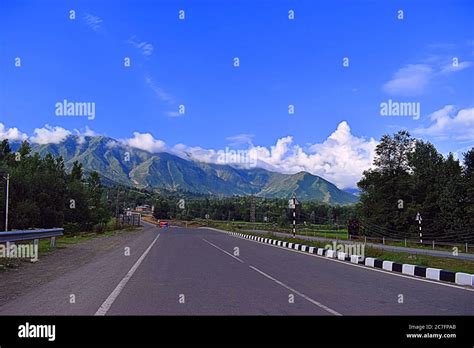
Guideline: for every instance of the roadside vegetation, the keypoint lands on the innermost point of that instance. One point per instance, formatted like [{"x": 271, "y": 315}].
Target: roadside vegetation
[{"x": 43, "y": 194}]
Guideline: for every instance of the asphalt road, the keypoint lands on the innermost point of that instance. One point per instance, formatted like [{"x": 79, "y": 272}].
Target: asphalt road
[{"x": 183, "y": 271}]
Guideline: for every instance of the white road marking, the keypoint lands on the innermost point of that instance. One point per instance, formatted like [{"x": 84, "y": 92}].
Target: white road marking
[
  {"x": 215, "y": 246},
  {"x": 373, "y": 269},
  {"x": 332, "y": 311},
  {"x": 320, "y": 305},
  {"x": 104, "y": 308}
]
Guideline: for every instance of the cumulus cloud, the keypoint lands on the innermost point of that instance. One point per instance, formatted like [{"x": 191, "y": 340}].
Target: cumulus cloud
[
  {"x": 341, "y": 158},
  {"x": 12, "y": 134},
  {"x": 145, "y": 141},
  {"x": 409, "y": 80},
  {"x": 81, "y": 136},
  {"x": 450, "y": 123},
  {"x": 49, "y": 135}
]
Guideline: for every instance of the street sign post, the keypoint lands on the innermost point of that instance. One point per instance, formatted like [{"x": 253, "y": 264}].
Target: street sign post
[
  {"x": 292, "y": 203},
  {"x": 419, "y": 219}
]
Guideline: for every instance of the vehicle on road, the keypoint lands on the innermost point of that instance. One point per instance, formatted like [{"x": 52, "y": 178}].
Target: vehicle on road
[{"x": 163, "y": 224}]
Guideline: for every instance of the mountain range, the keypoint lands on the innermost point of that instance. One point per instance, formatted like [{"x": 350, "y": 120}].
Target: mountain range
[{"x": 119, "y": 164}]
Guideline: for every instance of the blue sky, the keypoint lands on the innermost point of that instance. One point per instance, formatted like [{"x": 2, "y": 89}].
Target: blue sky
[{"x": 189, "y": 62}]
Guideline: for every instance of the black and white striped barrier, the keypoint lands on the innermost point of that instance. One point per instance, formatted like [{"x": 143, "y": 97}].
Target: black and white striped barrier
[{"x": 412, "y": 270}]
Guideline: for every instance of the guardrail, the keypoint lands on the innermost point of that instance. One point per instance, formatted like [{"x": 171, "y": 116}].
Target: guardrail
[
  {"x": 406, "y": 242},
  {"x": 35, "y": 235}
]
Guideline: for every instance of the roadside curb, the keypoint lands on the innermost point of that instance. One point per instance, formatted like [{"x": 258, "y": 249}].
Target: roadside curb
[{"x": 458, "y": 278}]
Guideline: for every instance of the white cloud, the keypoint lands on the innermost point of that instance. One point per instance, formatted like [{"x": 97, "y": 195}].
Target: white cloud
[
  {"x": 49, "y": 135},
  {"x": 12, "y": 134},
  {"x": 160, "y": 93},
  {"x": 81, "y": 135},
  {"x": 341, "y": 158},
  {"x": 145, "y": 141},
  {"x": 196, "y": 153},
  {"x": 240, "y": 139},
  {"x": 449, "y": 68},
  {"x": 146, "y": 48},
  {"x": 409, "y": 80},
  {"x": 93, "y": 22},
  {"x": 173, "y": 114},
  {"x": 450, "y": 123},
  {"x": 412, "y": 79}
]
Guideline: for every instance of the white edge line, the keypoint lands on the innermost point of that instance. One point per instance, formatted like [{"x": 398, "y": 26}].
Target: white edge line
[
  {"x": 104, "y": 308},
  {"x": 357, "y": 265}
]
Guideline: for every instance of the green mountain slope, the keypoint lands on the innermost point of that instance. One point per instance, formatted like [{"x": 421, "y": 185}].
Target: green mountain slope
[{"x": 118, "y": 163}]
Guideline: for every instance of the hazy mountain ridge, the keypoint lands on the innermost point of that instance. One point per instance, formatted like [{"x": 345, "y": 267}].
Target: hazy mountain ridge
[{"x": 118, "y": 163}]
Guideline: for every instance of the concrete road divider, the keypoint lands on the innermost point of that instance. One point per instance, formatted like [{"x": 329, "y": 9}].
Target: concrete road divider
[
  {"x": 432, "y": 273},
  {"x": 464, "y": 279},
  {"x": 408, "y": 269},
  {"x": 369, "y": 261},
  {"x": 341, "y": 256},
  {"x": 387, "y": 265}
]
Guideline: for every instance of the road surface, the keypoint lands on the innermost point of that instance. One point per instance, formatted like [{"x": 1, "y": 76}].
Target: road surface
[{"x": 184, "y": 271}]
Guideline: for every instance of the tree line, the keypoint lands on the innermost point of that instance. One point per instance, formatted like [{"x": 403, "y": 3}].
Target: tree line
[
  {"x": 43, "y": 194},
  {"x": 239, "y": 208},
  {"x": 411, "y": 177}
]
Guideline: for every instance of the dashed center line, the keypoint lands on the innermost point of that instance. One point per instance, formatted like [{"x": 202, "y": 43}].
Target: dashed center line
[
  {"x": 215, "y": 246},
  {"x": 307, "y": 298}
]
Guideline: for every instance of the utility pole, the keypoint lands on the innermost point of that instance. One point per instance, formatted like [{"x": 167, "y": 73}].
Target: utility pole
[
  {"x": 117, "y": 208},
  {"x": 7, "y": 178},
  {"x": 252, "y": 209},
  {"x": 418, "y": 218}
]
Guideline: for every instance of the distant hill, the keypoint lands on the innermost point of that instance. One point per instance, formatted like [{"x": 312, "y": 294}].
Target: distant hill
[{"x": 129, "y": 166}]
